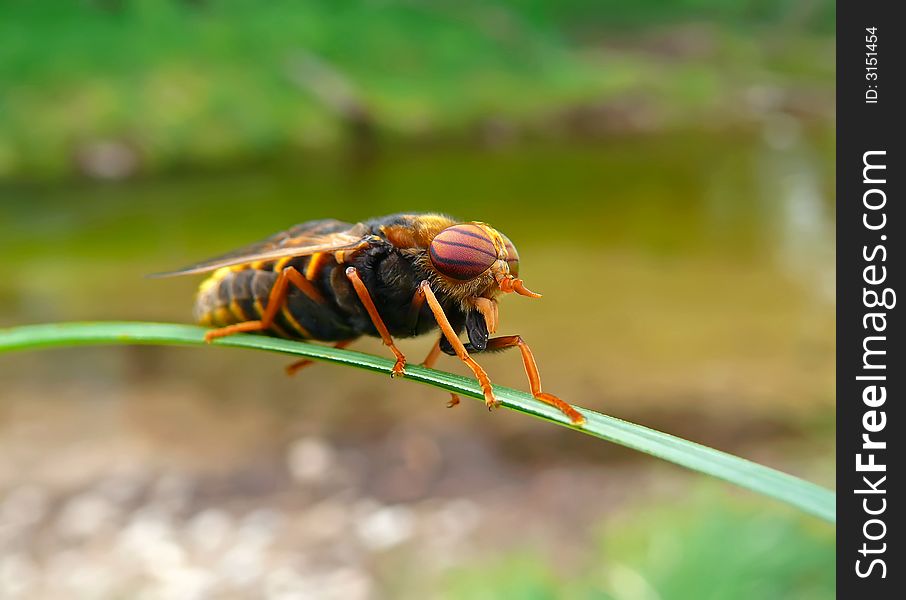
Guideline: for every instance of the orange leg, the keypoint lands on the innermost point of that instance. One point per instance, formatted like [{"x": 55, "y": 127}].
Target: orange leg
[
  {"x": 429, "y": 362},
  {"x": 531, "y": 370},
  {"x": 301, "y": 364},
  {"x": 399, "y": 369},
  {"x": 433, "y": 355},
  {"x": 415, "y": 308},
  {"x": 315, "y": 264},
  {"x": 274, "y": 302},
  {"x": 454, "y": 340}
]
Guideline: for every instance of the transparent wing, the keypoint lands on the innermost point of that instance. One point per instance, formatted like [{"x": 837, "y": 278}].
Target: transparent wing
[{"x": 327, "y": 235}]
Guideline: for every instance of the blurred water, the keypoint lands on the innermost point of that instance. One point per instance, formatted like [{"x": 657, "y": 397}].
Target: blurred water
[{"x": 760, "y": 196}]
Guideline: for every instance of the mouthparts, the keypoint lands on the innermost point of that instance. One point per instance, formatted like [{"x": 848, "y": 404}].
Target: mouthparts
[{"x": 508, "y": 284}]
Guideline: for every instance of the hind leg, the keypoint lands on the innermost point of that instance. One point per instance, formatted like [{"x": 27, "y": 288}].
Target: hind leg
[
  {"x": 274, "y": 301},
  {"x": 301, "y": 364}
]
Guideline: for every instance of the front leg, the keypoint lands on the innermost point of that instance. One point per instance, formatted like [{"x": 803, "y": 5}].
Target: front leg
[
  {"x": 450, "y": 334},
  {"x": 531, "y": 369}
]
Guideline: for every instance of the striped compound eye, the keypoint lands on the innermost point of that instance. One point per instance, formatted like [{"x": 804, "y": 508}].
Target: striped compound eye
[
  {"x": 512, "y": 257},
  {"x": 462, "y": 252}
]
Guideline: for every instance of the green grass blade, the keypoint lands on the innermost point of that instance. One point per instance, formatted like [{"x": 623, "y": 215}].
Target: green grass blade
[{"x": 807, "y": 496}]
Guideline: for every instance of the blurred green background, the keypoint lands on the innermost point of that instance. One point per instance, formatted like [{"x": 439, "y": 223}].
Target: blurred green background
[{"x": 666, "y": 171}]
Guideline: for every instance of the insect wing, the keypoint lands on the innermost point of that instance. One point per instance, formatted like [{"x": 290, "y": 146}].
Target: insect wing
[{"x": 301, "y": 240}]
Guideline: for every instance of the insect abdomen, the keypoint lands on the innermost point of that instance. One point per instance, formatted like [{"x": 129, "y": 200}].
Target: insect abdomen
[
  {"x": 233, "y": 295},
  {"x": 237, "y": 294}
]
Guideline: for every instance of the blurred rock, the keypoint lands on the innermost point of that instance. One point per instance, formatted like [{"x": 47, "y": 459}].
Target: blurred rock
[
  {"x": 87, "y": 515},
  {"x": 326, "y": 520},
  {"x": 309, "y": 460},
  {"x": 22, "y": 507},
  {"x": 381, "y": 527},
  {"x": 18, "y": 575},
  {"x": 209, "y": 530},
  {"x": 172, "y": 491}
]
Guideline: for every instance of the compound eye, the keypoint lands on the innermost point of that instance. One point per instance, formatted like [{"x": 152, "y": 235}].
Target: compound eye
[
  {"x": 512, "y": 256},
  {"x": 462, "y": 252}
]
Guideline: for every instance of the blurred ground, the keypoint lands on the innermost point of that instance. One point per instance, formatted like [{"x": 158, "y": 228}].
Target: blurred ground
[{"x": 666, "y": 173}]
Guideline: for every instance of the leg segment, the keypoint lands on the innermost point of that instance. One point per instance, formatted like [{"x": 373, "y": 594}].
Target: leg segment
[
  {"x": 531, "y": 370},
  {"x": 399, "y": 368},
  {"x": 454, "y": 340},
  {"x": 415, "y": 309},
  {"x": 433, "y": 355},
  {"x": 315, "y": 264},
  {"x": 429, "y": 362},
  {"x": 274, "y": 301},
  {"x": 301, "y": 364}
]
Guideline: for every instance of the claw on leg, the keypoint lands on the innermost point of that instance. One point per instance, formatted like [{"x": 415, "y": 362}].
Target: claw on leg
[{"x": 399, "y": 368}]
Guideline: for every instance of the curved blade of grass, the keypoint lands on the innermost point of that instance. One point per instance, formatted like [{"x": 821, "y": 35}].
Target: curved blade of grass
[{"x": 807, "y": 496}]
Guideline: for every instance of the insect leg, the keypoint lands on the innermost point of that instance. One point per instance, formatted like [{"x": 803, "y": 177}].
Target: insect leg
[
  {"x": 399, "y": 368},
  {"x": 531, "y": 370},
  {"x": 454, "y": 340},
  {"x": 297, "y": 366},
  {"x": 315, "y": 264},
  {"x": 306, "y": 286},
  {"x": 433, "y": 354},
  {"x": 274, "y": 302},
  {"x": 429, "y": 361},
  {"x": 415, "y": 309}
]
